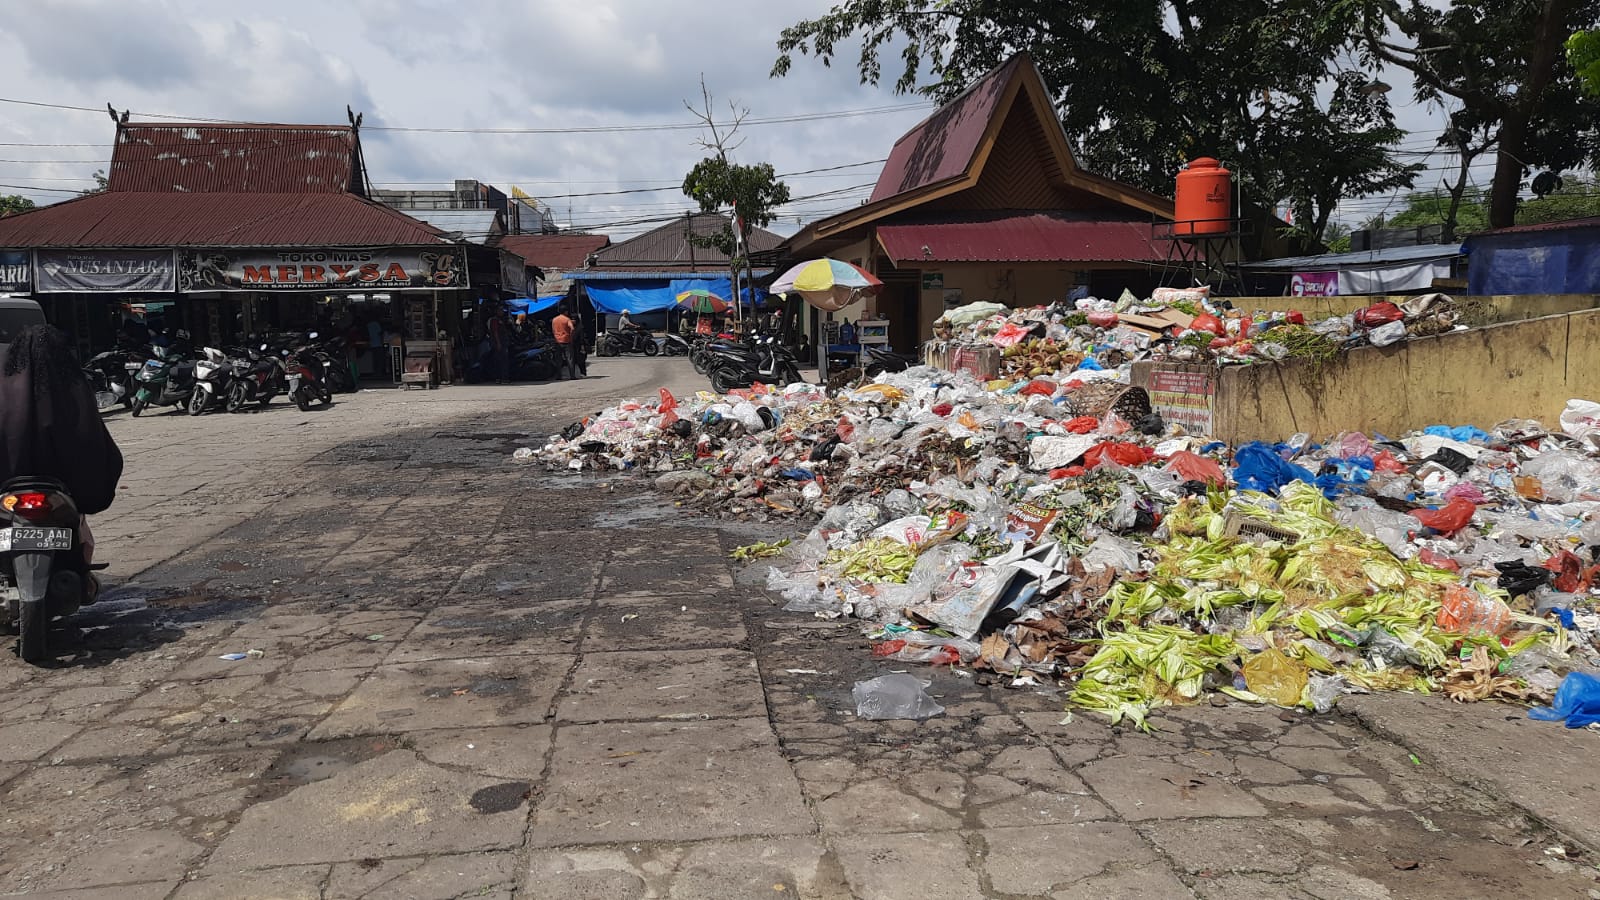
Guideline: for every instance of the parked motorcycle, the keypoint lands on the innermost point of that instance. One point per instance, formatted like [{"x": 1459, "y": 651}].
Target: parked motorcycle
[
  {"x": 335, "y": 364},
  {"x": 740, "y": 366},
  {"x": 881, "y": 359},
  {"x": 111, "y": 374},
  {"x": 539, "y": 362},
  {"x": 261, "y": 379},
  {"x": 303, "y": 370},
  {"x": 166, "y": 379},
  {"x": 675, "y": 345},
  {"x": 43, "y": 573},
  {"x": 629, "y": 340},
  {"x": 213, "y": 379}
]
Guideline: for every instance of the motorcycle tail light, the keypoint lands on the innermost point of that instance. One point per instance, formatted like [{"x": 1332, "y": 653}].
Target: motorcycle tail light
[{"x": 27, "y": 504}]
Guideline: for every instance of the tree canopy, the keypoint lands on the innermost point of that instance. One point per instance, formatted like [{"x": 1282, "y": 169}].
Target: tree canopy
[
  {"x": 14, "y": 203},
  {"x": 1145, "y": 85},
  {"x": 754, "y": 191},
  {"x": 1577, "y": 198}
]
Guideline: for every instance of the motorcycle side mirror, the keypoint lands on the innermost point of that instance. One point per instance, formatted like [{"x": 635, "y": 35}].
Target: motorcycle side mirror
[
  {"x": 312, "y": 335},
  {"x": 263, "y": 346}
]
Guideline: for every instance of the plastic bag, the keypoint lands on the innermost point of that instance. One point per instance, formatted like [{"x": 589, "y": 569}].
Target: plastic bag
[
  {"x": 1111, "y": 552},
  {"x": 1577, "y": 702},
  {"x": 1467, "y": 612},
  {"x": 1276, "y": 678},
  {"x": 1324, "y": 692},
  {"x": 1447, "y": 519},
  {"x": 898, "y": 696},
  {"x": 1194, "y": 467},
  {"x": 1381, "y": 313},
  {"x": 1581, "y": 419},
  {"x": 1384, "y": 335},
  {"x": 1258, "y": 468}
]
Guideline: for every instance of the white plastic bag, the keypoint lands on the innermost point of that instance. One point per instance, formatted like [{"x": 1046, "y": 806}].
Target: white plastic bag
[
  {"x": 1581, "y": 419},
  {"x": 897, "y": 696}
]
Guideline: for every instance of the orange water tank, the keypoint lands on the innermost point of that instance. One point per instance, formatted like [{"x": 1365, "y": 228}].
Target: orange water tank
[{"x": 1203, "y": 203}]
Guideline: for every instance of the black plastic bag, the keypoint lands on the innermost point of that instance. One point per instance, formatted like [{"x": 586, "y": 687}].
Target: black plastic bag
[
  {"x": 823, "y": 450},
  {"x": 572, "y": 431},
  {"x": 1518, "y": 578},
  {"x": 1452, "y": 460}
]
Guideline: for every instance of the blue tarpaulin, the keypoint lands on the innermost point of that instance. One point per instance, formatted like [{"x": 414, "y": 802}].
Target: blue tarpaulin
[
  {"x": 653, "y": 294},
  {"x": 525, "y": 305},
  {"x": 1548, "y": 261}
]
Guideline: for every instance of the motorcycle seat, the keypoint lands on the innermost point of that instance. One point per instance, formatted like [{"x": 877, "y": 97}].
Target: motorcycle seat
[{"x": 33, "y": 483}]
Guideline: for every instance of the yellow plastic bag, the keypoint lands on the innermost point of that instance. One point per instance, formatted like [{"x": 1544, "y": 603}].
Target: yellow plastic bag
[
  {"x": 1276, "y": 678},
  {"x": 889, "y": 391}
]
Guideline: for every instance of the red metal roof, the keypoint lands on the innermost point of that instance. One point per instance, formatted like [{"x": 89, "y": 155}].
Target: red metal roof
[
  {"x": 943, "y": 145},
  {"x": 554, "y": 251},
  {"x": 234, "y": 158},
  {"x": 1023, "y": 237},
  {"x": 135, "y": 219}
]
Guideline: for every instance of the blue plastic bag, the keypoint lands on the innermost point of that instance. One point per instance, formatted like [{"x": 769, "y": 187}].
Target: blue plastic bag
[
  {"x": 1090, "y": 364},
  {"x": 1577, "y": 701},
  {"x": 1257, "y": 467},
  {"x": 1466, "y": 434}
]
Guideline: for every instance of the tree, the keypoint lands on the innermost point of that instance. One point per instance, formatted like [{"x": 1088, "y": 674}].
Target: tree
[
  {"x": 1583, "y": 54},
  {"x": 14, "y": 203},
  {"x": 752, "y": 192},
  {"x": 1503, "y": 61},
  {"x": 1144, "y": 85},
  {"x": 1337, "y": 237},
  {"x": 1576, "y": 198},
  {"x": 100, "y": 183}
]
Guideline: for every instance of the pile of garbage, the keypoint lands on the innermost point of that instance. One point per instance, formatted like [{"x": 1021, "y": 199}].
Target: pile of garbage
[{"x": 1048, "y": 530}]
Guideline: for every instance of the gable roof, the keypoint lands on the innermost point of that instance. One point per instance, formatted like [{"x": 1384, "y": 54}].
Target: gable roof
[
  {"x": 667, "y": 248},
  {"x": 947, "y": 152},
  {"x": 184, "y": 157},
  {"x": 554, "y": 252},
  {"x": 168, "y": 219}
]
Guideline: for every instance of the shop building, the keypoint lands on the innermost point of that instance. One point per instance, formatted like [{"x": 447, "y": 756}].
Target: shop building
[
  {"x": 230, "y": 230},
  {"x": 984, "y": 201}
]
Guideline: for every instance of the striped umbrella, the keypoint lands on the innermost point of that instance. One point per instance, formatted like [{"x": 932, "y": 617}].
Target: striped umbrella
[
  {"x": 702, "y": 301},
  {"x": 827, "y": 284}
]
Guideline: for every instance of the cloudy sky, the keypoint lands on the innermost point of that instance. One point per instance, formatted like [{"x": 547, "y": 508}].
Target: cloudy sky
[{"x": 528, "y": 65}]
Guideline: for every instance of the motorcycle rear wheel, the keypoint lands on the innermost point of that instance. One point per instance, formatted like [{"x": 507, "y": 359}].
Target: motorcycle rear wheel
[
  {"x": 138, "y": 407},
  {"x": 723, "y": 380},
  {"x": 302, "y": 399},
  {"x": 651, "y": 348},
  {"x": 33, "y": 626}
]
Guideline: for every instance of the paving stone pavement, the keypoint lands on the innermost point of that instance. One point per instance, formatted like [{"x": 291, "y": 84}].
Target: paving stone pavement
[{"x": 480, "y": 680}]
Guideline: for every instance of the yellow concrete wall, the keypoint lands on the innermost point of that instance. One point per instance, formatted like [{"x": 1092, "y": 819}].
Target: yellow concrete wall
[
  {"x": 1500, "y": 307},
  {"x": 1522, "y": 369}
]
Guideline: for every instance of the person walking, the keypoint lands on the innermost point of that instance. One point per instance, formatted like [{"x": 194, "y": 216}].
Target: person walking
[
  {"x": 570, "y": 342},
  {"x": 500, "y": 347}
]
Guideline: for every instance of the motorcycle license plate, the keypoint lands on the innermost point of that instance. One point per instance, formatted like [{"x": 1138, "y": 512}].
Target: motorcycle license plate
[{"x": 22, "y": 538}]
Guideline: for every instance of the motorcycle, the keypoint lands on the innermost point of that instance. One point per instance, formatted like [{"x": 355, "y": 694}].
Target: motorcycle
[
  {"x": 303, "y": 371},
  {"x": 167, "y": 379},
  {"x": 259, "y": 380},
  {"x": 213, "y": 380},
  {"x": 539, "y": 362},
  {"x": 335, "y": 368},
  {"x": 43, "y": 573},
  {"x": 111, "y": 374},
  {"x": 764, "y": 360},
  {"x": 881, "y": 359},
  {"x": 675, "y": 345},
  {"x": 629, "y": 340}
]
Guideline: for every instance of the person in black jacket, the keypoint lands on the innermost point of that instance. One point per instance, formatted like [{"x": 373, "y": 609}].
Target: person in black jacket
[{"x": 49, "y": 424}]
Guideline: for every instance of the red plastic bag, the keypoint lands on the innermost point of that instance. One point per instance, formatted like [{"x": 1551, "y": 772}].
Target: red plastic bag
[
  {"x": 1378, "y": 314},
  {"x": 942, "y": 409},
  {"x": 1384, "y": 461},
  {"x": 1082, "y": 424},
  {"x": 1295, "y": 317},
  {"x": 1194, "y": 467},
  {"x": 1208, "y": 322},
  {"x": 1432, "y": 557},
  {"x": 1010, "y": 334},
  {"x": 1102, "y": 319},
  {"x": 1447, "y": 519},
  {"x": 668, "y": 402},
  {"x": 1571, "y": 576},
  {"x": 1465, "y": 611},
  {"x": 1125, "y": 455},
  {"x": 1068, "y": 472},
  {"x": 1039, "y": 388}
]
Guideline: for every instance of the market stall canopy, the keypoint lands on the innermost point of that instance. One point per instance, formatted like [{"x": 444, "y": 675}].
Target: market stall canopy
[
  {"x": 1550, "y": 258},
  {"x": 530, "y": 306},
  {"x": 642, "y": 295},
  {"x": 703, "y": 301},
  {"x": 1386, "y": 271},
  {"x": 827, "y": 284}
]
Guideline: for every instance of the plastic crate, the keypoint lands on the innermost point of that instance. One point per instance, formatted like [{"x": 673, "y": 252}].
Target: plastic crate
[{"x": 1238, "y": 525}]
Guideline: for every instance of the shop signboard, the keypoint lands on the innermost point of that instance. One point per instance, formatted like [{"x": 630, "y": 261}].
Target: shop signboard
[
  {"x": 1314, "y": 284},
  {"x": 16, "y": 272},
  {"x": 324, "y": 269},
  {"x": 1183, "y": 397},
  {"x": 107, "y": 271},
  {"x": 513, "y": 274}
]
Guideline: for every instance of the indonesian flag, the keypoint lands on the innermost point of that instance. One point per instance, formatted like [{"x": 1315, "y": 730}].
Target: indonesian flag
[{"x": 738, "y": 229}]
